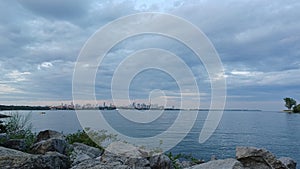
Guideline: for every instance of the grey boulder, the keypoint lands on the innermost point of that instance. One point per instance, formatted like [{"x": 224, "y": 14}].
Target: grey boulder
[
  {"x": 289, "y": 162},
  {"x": 17, "y": 144},
  {"x": 255, "y": 158},
  {"x": 160, "y": 161},
  {"x": 14, "y": 159},
  {"x": 119, "y": 155},
  {"x": 47, "y": 134},
  {"x": 229, "y": 163},
  {"x": 81, "y": 152},
  {"x": 52, "y": 144}
]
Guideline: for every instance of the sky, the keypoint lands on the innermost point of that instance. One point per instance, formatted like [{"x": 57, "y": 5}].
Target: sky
[{"x": 257, "y": 41}]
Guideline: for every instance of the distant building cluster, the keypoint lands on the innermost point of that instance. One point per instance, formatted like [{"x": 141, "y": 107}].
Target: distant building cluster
[
  {"x": 71, "y": 106},
  {"x": 104, "y": 106},
  {"x": 142, "y": 106}
]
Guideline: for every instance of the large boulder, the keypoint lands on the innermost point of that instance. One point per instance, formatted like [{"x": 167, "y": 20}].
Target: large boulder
[
  {"x": 184, "y": 164},
  {"x": 47, "y": 134},
  {"x": 17, "y": 144},
  {"x": 81, "y": 152},
  {"x": 133, "y": 156},
  {"x": 127, "y": 150},
  {"x": 111, "y": 159},
  {"x": 160, "y": 161},
  {"x": 121, "y": 155},
  {"x": 49, "y": 140},
  {"x": 220, "y": 164},
  {"x": 289, "y": 162},
  {"x": 255, "y": 158},
  {"x": 14, "y": 159},
  {"x": 97, "y": 164},
  {"x": 52, "y": 144}
]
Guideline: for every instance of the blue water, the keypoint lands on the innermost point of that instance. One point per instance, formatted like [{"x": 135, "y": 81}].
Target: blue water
[{"x": 276, "y": 131}]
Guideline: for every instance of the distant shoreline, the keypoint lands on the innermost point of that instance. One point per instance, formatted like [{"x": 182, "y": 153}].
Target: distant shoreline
[{"x": 12, "y": 108}]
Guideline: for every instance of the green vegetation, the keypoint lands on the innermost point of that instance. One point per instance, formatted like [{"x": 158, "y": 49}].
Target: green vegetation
[
  {"x": 83, "y": 137},
  {"x": 175, "y": 158},
  {"x": 291, "y": 104},
  {"x": 296, "y": 109},
  {"x": 19, "y": 127}
]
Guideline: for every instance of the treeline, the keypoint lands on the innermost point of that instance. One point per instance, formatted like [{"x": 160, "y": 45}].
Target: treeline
[
  {"x": 12, "y": 107},
  {"x": 292, "y": 105}
]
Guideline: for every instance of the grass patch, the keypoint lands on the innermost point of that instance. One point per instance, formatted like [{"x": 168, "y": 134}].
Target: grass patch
[{"x": 19, "y": 126}]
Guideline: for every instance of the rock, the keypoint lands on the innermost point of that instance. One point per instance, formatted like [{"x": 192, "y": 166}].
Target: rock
[
  {"x": 184, "y": 164},
  {"x": 254, "y": 158},
  {"x": 138, "y": 162},
  {"x": 88, "y": 150},
  {"x": 160, "y": 161},
  {"x": 220, "y": 164},
  {"x": 85, "y": 157},
  {"x": 14, "y": 159},
  {"x": 95, "y": 164},
  {"x": 47, "y": 134},
  {"x": 128, "y": 156},
  {"x": 17, "y": 144},
  {"x": 127, "y": 150},
  {"x": 81, "y": 152},
  {"x": 49, "y": 140},
  {"x": 52, "y": 144},
  {"x": 213, "y": 157},
  {"x": 52, "y": 160},
  {"x": 86, "y": 164},
  {"x": 288, "y": 162},
  {"x": 109, "y": 158}
]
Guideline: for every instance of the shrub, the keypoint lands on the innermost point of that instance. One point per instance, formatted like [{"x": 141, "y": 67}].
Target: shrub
[
  {"x": 290, "y": 102},
  {"x": 296, "y": 109},
  {"x": 83, "y": 137},
  {"x": 19, "y": 127},
  {"x": 175, "y": 158}
]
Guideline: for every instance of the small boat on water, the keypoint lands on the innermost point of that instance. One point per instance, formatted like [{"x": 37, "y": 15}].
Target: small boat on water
[{"x": 42, "y": 113}]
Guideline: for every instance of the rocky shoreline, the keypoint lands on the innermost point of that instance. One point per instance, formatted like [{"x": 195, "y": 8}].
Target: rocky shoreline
[{"x": 51, "y": 151}]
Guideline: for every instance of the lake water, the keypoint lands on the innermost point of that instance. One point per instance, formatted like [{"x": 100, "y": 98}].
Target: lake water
[{"x": 276, "y": 131}]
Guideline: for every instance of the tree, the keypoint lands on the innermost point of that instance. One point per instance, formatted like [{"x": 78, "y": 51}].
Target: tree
[
  {"x": 289, "y": 102},
  {"x": 296, "y": 109}
]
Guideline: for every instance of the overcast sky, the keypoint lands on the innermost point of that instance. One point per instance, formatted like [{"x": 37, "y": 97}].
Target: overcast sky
[{"x": 258, "y": 43}]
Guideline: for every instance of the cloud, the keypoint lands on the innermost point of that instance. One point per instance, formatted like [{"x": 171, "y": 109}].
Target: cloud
[
  {"x": 256, "y": 78},
  {"x": 258, "y": 43},
  {"x": 245, "y": 73},
  {"x": 17, "y": 76},
  {"x": 6, "y": 89},
  {"x": 44, "y": 65}
]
